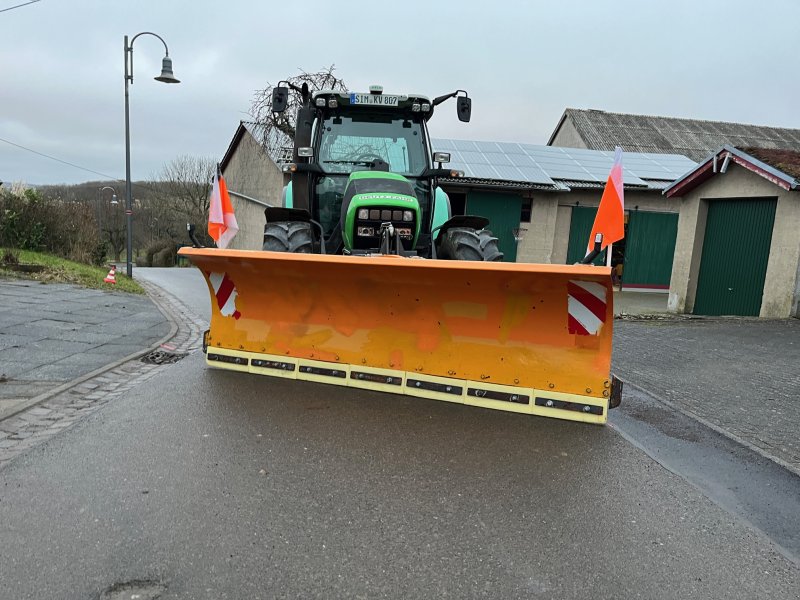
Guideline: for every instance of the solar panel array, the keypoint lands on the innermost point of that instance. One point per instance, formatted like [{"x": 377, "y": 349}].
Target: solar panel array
[{"x": 544, "y": 165}]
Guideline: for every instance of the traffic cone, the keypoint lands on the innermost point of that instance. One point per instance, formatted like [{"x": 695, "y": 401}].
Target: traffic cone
[{"x": 112, "y": 276}]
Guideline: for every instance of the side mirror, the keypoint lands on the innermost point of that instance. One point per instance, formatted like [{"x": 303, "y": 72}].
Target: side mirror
[
  {"x": 464, "y": 108},
  {"x": 280, "y": 99},
  {"x": 441, "y": 157}
]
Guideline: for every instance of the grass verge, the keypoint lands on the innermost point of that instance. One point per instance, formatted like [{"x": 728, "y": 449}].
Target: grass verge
[{"x": 59, "y": 270}]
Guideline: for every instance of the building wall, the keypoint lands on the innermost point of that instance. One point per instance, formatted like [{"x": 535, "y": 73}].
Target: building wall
[
  {"x": 781, "y": 289},
  {"x": 251, "y": 173},
  {"x": 567, "y": 136},
  {"x": 536, "y": 238}
]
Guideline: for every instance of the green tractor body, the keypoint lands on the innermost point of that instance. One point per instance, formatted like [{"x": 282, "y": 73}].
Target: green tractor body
[{"x": 363, "y": 181}]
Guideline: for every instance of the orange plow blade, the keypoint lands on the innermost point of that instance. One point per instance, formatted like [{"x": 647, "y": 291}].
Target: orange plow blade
[{"x": 527, "y": 338}]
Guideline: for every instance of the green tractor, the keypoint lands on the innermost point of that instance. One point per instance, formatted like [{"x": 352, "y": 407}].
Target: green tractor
[{"x": 363, "y": 180}]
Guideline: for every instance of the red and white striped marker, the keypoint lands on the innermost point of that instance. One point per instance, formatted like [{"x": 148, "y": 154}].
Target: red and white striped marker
[
  {"x": 226, "y": 294},
  {"x": 586, "y": 306}
]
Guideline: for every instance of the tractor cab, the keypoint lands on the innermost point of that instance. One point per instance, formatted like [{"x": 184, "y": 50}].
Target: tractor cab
[
  {"x": 363, "y": 171},
  {"x": 353, "y": 133}
]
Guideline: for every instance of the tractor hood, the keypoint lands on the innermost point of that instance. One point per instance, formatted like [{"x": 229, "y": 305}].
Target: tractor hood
[{"x": 373, "y": 198}]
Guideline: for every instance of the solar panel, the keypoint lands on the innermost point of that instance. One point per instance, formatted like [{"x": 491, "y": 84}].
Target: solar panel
[
  {"x": 474, "y": 158},
  {"x": 484, "y": 172},
  {"x": 464, "y": 145},
  {"x": 531, "y": 163}
]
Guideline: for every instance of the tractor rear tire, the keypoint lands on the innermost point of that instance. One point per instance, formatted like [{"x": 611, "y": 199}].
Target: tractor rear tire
[
  {"x": 289, "y": 236},
  {"x": 465, "y": 243}
]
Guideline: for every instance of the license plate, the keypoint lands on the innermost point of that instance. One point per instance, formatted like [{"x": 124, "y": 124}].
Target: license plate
[{"x": 374, "y": 99}]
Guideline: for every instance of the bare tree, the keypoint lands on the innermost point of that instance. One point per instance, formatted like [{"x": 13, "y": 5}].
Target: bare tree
[
  {"x": 183, "y": 197},
  {"x": 279, "y": 128}
]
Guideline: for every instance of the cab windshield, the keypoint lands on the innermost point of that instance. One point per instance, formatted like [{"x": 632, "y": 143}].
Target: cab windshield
[{"x": 351, "y": 143}]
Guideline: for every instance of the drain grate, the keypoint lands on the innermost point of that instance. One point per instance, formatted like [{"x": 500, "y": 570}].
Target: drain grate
[
  {"x": 162, "y": 357},
  {"x": 138, "y": 589}
]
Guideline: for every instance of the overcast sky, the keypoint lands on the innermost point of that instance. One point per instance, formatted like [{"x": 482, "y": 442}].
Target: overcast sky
[{"x": 522, "y": 62}]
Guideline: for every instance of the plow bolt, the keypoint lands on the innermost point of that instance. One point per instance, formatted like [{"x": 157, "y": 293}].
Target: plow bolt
[{"x": 549, "y": 403}]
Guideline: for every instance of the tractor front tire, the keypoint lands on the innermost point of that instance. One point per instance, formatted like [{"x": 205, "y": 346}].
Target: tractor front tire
[
  {"x": 288, "y": 236},
  {"x": 465, "y": 243}
]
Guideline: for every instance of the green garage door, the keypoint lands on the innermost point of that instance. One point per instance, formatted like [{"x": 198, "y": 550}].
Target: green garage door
[
  {"x": 503, "y": 212},
  {"x": 733, "y": 265},
  {"x": 580, "y": 228},
  {"x": 649, "y": 249}
]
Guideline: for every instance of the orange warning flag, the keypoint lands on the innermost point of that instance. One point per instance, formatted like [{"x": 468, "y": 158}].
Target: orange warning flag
[
  {"x": 610, "y": 219},
  {"x": 222, "y": 224}
]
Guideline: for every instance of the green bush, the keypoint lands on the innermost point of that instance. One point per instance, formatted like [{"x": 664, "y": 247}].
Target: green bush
[
  {"x": 141, "y": 261},
  {"x": 29, "y": 221},
  {"x": 160, "y": 254},
  {"x": 99, "y": 254}
]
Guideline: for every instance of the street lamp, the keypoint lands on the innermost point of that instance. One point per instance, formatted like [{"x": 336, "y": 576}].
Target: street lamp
[
  {"x": 100, "y": 204},
  {"x": 166, "y": 77},
  {"x": 100, "y": 210}
]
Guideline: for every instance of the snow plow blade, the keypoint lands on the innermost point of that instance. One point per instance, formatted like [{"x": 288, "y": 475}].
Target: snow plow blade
[{"x": 525, "y": 338}]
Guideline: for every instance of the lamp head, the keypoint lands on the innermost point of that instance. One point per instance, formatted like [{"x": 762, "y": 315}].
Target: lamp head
[
  {"x": 114, "y": 199},
  {"x": 167, "y": 76}
]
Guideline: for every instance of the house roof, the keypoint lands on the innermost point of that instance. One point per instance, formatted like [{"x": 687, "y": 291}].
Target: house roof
[
  {"x": 787, "y": 161},
  {"x": 693, "y": 138},
  {"x": 529, "y": 166},
  {"x": 781, "y": 167},
  {"x": 557, "y": 169},
  {"x": 258, "y": 133}
]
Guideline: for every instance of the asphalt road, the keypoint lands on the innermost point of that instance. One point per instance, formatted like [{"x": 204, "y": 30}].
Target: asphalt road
[{"x": 223, "y": 485}]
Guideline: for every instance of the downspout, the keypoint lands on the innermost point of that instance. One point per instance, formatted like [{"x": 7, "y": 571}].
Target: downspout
[{"x": 725, "y": 162}]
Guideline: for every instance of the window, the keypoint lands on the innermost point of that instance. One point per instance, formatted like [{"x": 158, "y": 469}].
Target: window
[
  {"x": 525, "y": 213},
  {"x": 349, "y": 143}
]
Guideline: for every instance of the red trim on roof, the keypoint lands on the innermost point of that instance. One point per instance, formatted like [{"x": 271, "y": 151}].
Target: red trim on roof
[
  {"x": 700, "y": 175},
  {"x": 768, "y": 176}
]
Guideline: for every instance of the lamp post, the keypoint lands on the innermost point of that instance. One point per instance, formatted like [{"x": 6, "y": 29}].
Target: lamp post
[
  {"x": 100, "y": 204},
  {"x": 101, "y": 212},
  {"x": 166, "y": 77}
]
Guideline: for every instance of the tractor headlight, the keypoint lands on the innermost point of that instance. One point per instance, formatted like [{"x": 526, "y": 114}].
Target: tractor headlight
[
  {"x": 426, "y": 107},
  {"x": 397, "y": 215},
  {"x": 374, "y": 214},
  {"x": 386, "y": 215},
  {"x": 408, "y": 215},
  {"x": 363, "y": 214},
  {"x": 366, "y": 231},
  {"x": 415, "y": 107},
  {"x": 320, "y": 102}
]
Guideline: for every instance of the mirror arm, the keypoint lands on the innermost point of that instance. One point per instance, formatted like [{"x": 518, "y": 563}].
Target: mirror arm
[{"x": 439, "y": 99}]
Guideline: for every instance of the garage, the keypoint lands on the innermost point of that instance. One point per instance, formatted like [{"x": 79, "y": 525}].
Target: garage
[
  {"x": 503, "y": 211},
  {"x": 646, "y": 251},
  {"x": 738, "y": 248},
  {"x": 733, "y": 265}
]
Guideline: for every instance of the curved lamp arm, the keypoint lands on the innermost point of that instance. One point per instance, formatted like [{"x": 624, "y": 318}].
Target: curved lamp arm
[{"x": 129, "y": 57}]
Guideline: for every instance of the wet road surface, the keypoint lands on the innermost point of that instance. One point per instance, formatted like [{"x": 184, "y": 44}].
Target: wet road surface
[{"x": 216, "y": 484}]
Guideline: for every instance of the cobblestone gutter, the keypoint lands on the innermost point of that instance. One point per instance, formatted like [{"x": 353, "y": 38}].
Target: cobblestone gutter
[{"x": 34, "y": 425}]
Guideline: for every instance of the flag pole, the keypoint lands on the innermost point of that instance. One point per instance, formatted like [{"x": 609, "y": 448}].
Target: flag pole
[{"x": 609, "y": 250}]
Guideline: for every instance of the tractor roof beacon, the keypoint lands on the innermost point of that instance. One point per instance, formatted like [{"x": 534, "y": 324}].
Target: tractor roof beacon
[{"x": 364, "y": 180}]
